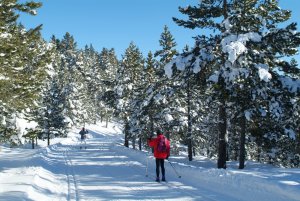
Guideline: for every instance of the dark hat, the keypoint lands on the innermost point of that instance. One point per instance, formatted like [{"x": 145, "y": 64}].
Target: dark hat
[{"x": 158, "y": 131}]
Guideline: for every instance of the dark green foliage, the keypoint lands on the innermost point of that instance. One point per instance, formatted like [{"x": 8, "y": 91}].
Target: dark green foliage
[
  {"x": 167, "y": 43},
  {"x": 230, "y": 105},
  {"x": 240, "y": 82},
  {"x": 52, "y": 118},
  {"x": 23, "y": 61},
  {"x": 128, "y": 85}
]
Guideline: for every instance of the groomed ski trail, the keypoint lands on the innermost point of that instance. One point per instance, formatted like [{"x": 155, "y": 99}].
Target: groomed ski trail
[
  {"x": 71, "y": 178},
  {"x": 107, "y": 170},
  {"x": 115, "y": 172}
]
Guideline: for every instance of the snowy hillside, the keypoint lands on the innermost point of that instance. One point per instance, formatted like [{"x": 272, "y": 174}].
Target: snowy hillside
[{"x": 108, "y": 171}]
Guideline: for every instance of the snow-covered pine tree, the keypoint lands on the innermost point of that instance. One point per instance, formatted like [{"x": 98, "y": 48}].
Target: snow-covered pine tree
[
  {"x": 72, "y": 80},
  {"x": 252, "y": 31},
  {"x": 151, "y": 82},
  {"x": 245, "y": 56},
  {"x": 51, "y": 116},
  {"x": 23, "y": 57},
  {"x": 19, "y": 67},
  {"x": 126, "y": 89},
  {"x": 108, "y": 65},
  {"x": 144, "y": 109},
  {"x": 207, "y": 16},
  {"x": 90, "y": 74},
  {"x": 190, "y": 96},
  {"x": 164, "y": 88},
  {"x": 292, "y": 110},
  {"x": 168, "y": 51}
]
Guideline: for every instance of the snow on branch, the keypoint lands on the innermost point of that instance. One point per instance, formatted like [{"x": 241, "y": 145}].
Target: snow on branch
[
  {"x": 293, "y": 85},
  {"x": 181, "y": 62},
  {"x": 184, "y": 61},
  {"x": 235, "y": 45},
  {"x": 263, "y": 72}
]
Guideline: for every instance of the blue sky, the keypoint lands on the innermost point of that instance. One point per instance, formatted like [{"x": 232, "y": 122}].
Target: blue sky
[{"x": 115, "y": 23}]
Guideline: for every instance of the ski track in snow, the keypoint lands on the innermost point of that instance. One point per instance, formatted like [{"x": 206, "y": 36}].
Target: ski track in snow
[
  {"x": 107, "y": 170},
  {"x": 177, "y": 186},
  {"x": 72, "y": 181},
  {"x": 107, "y": 157}
]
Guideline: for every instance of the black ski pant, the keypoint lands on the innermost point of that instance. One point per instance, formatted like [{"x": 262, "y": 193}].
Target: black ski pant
[{"x": 160, "y": 163}]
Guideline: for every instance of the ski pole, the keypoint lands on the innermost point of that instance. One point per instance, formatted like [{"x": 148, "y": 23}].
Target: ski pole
[{"x": 174, "y": 169}]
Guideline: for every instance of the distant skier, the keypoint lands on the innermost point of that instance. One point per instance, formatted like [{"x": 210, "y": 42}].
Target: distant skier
[
  {"x": 161, "y": 147},
  {"x": 83, "y": 133}
]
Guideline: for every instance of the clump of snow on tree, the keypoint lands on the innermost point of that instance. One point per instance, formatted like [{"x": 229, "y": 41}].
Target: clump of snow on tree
[
  {"x": 181, "y": 63},
  {"x": 5, "y": 35},
  {"x": 234, "y": 45},
  {"x": 263, "y": 72},
  {"x": 169, "y": 117}
]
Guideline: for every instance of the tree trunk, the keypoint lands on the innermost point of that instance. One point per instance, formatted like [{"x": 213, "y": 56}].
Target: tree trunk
[
  {"x": 222, "y": 113},
  {"x": 194, "y": 151},
  {"x": 140, "y": 143},
  {"x": 222, "y": 126},
  {"x": 32, "y": 143},
  {"x": 259, "y": 149},
  {"x": 133, "y": 142},
  {"x": 242, "y": 142},
  {"x": 190, "y": 147},
  {"x": 222, "y": 135},
  {"x": 48, "y": 138},
  {"x": 126, "y": 132},
  {"x": 298, "y": 144},
  {"x": 106, "y": 121}
]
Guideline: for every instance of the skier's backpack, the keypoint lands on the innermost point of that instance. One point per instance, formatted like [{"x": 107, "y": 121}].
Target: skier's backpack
[{"x": 161, "y": 146}]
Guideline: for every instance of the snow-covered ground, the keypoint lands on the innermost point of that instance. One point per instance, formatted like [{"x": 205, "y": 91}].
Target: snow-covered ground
[{"x": 108, "y": 171}]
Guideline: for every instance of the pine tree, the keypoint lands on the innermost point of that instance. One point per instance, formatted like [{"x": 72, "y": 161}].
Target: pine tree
[
  {"x": 167, "y": 43},
  {"x": 242, "y": 58},
  {"x": 187, "y": 87},
  {"x": 51, "y": 117},
  {"x": 144, "y": 107},
  {"x": 20, "y": 64},
  {"x": 150, "y": 81},
  {"x": 91, "y": 83},
  {"x": 162, "y": 91},
  {"x": 108, "y": 65},
  {"x": 244, "y": 23},
  {"x": 23, "y": 58},
  {"x": 127, "y": 86},
  {"x": 71, "y": 79}
]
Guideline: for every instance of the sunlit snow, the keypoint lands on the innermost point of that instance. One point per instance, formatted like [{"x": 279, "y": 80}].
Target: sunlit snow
[{"x": 107, "y": 170}]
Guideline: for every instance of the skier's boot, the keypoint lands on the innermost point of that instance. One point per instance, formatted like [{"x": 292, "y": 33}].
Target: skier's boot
[
  {"x": 157, "y": 179},
  {"x": 163, "y": 178}
]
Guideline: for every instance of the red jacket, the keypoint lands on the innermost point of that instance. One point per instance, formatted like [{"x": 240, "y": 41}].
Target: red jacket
[{"x": 153, "y": 142}]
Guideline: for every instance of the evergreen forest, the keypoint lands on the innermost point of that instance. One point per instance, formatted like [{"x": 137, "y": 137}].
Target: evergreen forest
[{"x": 233, "y": 96}]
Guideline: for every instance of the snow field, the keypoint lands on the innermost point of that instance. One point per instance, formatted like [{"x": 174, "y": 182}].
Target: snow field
[{"x": 107, "y": 170}]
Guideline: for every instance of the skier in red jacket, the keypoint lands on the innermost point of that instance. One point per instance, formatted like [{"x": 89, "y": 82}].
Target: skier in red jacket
[{"x": 161, "y": 147}]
